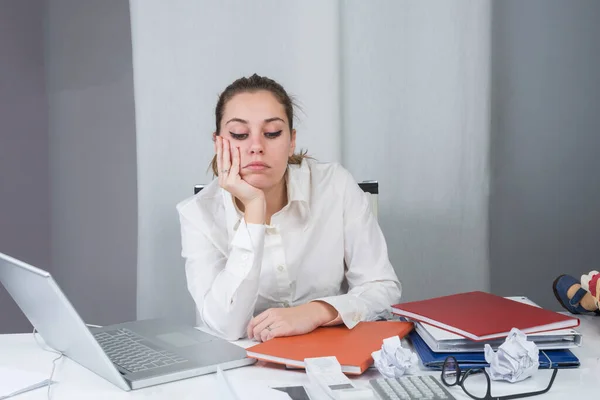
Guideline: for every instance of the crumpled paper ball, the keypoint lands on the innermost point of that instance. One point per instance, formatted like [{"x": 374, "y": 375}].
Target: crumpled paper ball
[
  {"x": 393, "y": 361},
  {"x": 516, "y": 359}
]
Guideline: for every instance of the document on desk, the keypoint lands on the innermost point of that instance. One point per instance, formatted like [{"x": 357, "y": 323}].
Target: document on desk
[
  {"x": 245, "y": 389},
  {"x": 15, "y": 381}
]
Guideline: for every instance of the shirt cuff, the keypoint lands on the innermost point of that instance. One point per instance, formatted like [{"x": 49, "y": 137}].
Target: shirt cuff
[
  {"x": 248, "y": 236},
  {"x": 350, "y": 309}
]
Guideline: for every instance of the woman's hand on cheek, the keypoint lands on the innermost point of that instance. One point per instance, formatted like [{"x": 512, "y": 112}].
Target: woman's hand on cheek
[
  {"x": 276, "y": 322},
  {"x": 228, "y": 165}
]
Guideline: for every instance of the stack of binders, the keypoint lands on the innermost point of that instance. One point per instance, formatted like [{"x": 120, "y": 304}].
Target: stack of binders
[{"x": 460, "y": 325}]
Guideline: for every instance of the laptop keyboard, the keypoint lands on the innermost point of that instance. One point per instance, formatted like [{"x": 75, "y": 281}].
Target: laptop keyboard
[{"x": 130, "y": 351}]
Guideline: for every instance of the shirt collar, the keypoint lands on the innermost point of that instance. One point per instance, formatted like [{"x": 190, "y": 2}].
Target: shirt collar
[
  {"x": 298, "y": 183},
  {"x": 298, "y": 187}
]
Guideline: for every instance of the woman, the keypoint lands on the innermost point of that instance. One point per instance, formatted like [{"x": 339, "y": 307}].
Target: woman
[{"x": 279, "y": 244}]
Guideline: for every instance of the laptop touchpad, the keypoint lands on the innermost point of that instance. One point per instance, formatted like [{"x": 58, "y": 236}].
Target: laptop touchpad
[{"x": 177, "y": 339}]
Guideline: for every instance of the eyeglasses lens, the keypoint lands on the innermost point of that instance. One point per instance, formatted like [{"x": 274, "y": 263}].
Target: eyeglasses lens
[{"x": 450, "y": 372}]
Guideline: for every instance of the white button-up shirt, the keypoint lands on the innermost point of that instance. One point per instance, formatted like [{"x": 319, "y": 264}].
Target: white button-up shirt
[{"x": 325, "y": 244}]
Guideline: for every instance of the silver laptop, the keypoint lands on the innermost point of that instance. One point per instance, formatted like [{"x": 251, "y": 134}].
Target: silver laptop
[{"x": 131, "y": 355}]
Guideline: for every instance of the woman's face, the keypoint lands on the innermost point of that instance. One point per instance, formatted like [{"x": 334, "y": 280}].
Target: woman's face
[{"x": 256, "y": 123}]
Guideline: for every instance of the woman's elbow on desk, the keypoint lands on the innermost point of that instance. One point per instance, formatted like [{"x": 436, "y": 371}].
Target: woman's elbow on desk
[{"x": 228, "y": 328}]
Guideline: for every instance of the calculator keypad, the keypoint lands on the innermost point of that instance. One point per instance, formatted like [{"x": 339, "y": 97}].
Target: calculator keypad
[{"x": 410, "y": 387}]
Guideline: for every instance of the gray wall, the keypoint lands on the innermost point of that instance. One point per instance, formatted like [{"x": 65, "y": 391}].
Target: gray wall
[
  {"x": 545, "y": 203},
  {"x": 92, "y": 156},
  {"x": 24, "y": 197},
  {"x": 544, "y": 215}
]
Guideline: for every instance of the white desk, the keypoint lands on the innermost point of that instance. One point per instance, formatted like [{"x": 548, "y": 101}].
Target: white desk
[{"x": 76, "y": 382}]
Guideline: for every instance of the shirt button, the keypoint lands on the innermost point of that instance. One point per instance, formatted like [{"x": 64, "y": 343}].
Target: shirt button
[
  {"x": 281, "y": 268},
  {"x": 356, "y": 317},
  {"x": 286, "y": 304},
  {"x": 245, "y": 257}
]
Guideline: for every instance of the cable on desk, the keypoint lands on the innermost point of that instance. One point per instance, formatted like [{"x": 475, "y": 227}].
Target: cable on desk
[{"x": 60, "y": 355}]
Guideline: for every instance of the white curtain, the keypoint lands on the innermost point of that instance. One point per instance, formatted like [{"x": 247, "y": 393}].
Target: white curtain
[
  {"x": 415, "y": 116},
  {"x": 397, "y": 91}
]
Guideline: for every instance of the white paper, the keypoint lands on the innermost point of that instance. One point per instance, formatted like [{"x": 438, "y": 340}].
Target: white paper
[
  {"x": 252, "y": 390},
  {"x": 516, "y": 359},
  {"x": 393, "y": 361},
  {"x": 245, "y": 389},
  {"x": 244, "y": 343},
  {"x": 13, "y": 380}
]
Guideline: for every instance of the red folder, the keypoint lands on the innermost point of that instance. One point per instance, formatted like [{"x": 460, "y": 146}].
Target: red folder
[
  {"x": 483, "y": 316},
  {"x": 351, "y": 347}
]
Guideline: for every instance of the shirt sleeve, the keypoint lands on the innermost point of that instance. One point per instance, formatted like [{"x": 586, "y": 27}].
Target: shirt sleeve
[
  {"x": 372, "y": 283},
  {"x": 224, "y": 288}
]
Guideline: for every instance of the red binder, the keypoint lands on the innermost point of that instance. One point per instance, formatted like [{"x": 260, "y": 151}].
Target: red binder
[{"x": 483, "y": 316}]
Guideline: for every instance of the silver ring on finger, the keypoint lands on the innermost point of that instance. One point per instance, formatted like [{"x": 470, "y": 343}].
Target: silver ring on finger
[
  {"x": 224, "y": 171},
  {"x": 268, "y": 328}
]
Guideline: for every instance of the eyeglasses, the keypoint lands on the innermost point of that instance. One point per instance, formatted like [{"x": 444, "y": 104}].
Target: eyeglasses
[{"x": 475, "y": 387}]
